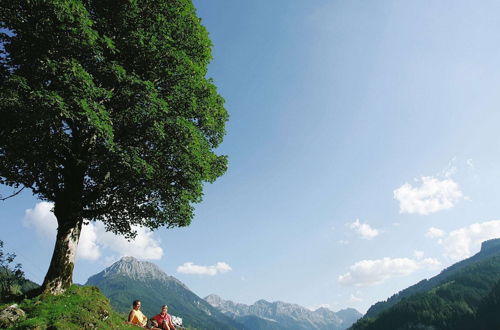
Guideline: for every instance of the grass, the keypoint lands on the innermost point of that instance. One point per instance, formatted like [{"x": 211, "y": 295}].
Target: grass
[{"x": 77, "y": 308}]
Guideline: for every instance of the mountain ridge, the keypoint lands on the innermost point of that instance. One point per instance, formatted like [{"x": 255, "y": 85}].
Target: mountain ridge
[
  {"x": 488, "y": 248},
  {"x": 284, "y": 315},
  {"x": 461, "y": 297}
]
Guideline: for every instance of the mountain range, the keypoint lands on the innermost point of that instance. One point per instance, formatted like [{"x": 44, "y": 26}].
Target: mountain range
[
  {"x": 280, "y": 315},
  {"x": 129, "y": 279},
  {"x": 465, "y": 296}
]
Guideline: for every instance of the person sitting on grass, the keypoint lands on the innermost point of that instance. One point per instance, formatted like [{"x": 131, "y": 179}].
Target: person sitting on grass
[
  {"x": 164, "y": 319},
  {"x": 154, "y": 324},
  {"x": 136, "y": 317}
]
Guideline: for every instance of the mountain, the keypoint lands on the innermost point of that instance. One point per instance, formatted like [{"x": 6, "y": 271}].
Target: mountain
[
  {"x": 264, "y": 315},
  {"x": 129, "y": 279},
  {"x": 465, "y": 296},
  {"x": 488, "y": 249},
  {"x": 348, "y": 316}
]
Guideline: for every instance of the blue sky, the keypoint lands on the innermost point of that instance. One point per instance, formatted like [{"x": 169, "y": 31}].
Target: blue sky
[{"x": 363, "y": 155}]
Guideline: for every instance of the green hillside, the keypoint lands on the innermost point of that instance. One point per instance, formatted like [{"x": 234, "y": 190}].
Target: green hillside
[
  {"x": 489, "y": 249},
  {"x": 463, "y": 301},
  {"x": 487, "y": 314},
  {"x": 77, "y": 308}
]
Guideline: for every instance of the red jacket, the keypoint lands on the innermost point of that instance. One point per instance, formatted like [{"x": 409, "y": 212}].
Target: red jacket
[{"x": 161, "y": 318}]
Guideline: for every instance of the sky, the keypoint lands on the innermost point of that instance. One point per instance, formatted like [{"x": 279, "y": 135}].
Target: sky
[{"x": 363, "y": 149}]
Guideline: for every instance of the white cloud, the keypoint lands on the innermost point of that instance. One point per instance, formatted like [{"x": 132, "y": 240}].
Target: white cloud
[
  {"x": 144, "y": 246},
  {"x": 371, "y": 272},
  {"x": 434, "y": 232},
  {"x": 42, "y": 220},
  {"x": 464, "y": 242},
  {"x": 94, "y": 238},
  {"x": 432, "y": 196},
  {"x": 87, "y": 246},
  {"x": 363, "y": 230},
  {"x": 190, "y": 268}
]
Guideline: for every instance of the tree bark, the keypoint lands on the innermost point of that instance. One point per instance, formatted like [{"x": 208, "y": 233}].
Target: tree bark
[{"x": 60, "y": 274}]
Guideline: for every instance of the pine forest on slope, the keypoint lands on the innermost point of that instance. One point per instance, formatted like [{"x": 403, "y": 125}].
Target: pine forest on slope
[{"x": 463, "y": 296}]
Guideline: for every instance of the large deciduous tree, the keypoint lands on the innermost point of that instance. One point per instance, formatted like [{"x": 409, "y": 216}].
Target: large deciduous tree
[{"x": 106, "y": 111}]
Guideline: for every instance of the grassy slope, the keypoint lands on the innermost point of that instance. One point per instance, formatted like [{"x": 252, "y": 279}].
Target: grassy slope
[{"x": 78, "y": 308}]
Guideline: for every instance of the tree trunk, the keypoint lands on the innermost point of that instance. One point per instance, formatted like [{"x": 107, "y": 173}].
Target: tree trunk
[{"x": 60, "y": 274}]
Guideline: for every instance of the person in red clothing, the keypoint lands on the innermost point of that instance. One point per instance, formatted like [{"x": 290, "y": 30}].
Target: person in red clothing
[{"x": 164, "y": 319}]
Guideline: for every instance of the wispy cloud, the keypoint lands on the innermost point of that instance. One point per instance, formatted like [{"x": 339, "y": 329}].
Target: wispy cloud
[
  {"x": 354, "y": 299},
  {"x": 371, "y": 272},
  {"x": 94, "y": 238},
  {"x": 431, "y": 196},
  {"x": 434, "y": 232},
  {"x": 191, "y": 268},
  {"x": 363, "y": 229},
  {"x": 450, "y": 169}
]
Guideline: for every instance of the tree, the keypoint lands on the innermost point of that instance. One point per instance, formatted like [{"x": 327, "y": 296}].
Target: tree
[
  {"x": 107, "y": 112},
  {"x": 11, "y": 278}
]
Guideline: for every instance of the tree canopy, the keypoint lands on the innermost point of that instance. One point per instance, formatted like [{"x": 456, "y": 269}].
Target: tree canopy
[{"x": 107, "y": 111}]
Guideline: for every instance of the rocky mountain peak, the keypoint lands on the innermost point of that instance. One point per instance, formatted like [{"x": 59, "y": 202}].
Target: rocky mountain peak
[
  {"x": 137, "y": 270},
  {"x": 324, "y": 311},
  {"x": 214, "y": 300},
  {"x": 492, "y": 244}
]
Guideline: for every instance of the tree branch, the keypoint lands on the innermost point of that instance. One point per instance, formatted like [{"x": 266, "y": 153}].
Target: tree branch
[{"x": 14, "y": 194}]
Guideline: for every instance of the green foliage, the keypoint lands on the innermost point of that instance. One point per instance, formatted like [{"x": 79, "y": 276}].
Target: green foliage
[
  {"x": 487, "y": 314},
  {"x": 10, "y": 277},
  {"x": 460, "y": 302},
  {"x": 106, "y": 107},
  {"x": 12, "y": 281},
  {"x": 77, "y": 308},
  {"x": 107, "y": 112}
]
